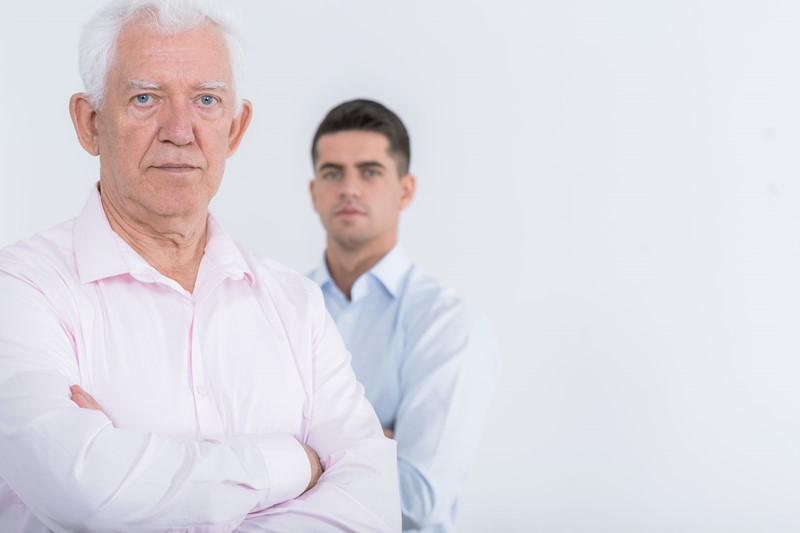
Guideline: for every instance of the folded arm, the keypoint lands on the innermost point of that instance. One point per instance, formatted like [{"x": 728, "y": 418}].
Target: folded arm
[
  {"x": 85, "y": 400},
  {"x": 76, "y": 471},
  {"x": 448, "y": 377},
  {"x": 359, "y": 489}
]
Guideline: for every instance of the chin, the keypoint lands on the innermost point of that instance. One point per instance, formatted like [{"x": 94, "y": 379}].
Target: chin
[
  {"x": 181, "y": 206},
  {"x": 351, "y": 242}
]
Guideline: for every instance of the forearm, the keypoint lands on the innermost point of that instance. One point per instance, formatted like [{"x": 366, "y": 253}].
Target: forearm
[
  {"x": 74, "y": 470},
  {"x": 435, "y": 451},
  {"x": 356, "y": 493},
  {"x": 449, "y": 380},
  {"x": 358, "y": 490},
  {"x": 426, "y": 497}
]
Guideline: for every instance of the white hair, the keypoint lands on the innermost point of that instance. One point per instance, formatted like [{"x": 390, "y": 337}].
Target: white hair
[{"x": 166, "y": 17}]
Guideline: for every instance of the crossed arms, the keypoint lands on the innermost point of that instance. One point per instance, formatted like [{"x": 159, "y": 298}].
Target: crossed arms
[{"x": 74, "y": 470}]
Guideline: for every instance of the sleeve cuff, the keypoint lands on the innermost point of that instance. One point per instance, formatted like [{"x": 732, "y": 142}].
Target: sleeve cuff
[{"x": 288, "y": 469}]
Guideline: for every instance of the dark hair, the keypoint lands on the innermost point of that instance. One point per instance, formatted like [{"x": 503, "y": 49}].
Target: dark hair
[{"x": 366, "y": 115}]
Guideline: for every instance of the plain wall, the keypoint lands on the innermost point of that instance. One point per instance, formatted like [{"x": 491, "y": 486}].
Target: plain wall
[{"x": 613, "y": 184}]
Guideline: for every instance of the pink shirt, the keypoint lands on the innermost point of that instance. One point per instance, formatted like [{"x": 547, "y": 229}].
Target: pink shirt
[{"x": 207, "y": 395}]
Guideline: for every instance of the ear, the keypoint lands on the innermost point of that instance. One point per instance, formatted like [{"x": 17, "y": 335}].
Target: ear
[
  {"x": 83, "y": 119},
  {"x": 408, "y": 185},
  {"x": 239, "y": 126},
  {"x": 311, "y": 184}
]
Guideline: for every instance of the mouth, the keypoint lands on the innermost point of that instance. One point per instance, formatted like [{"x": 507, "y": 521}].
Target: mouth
[
  {"x": 349, "y": 211},
  {"x": 175, "y": 167}
]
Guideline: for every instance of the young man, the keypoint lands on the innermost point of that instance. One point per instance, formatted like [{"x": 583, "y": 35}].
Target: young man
[
  {"x": 154, "y": 375},
  {"x": 428, "y": 364}
]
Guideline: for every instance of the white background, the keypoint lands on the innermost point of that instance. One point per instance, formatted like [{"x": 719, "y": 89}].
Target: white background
[{"x": 613, "y": 184}]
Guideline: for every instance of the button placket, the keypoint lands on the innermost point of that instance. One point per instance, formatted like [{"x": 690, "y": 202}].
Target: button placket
[{"x": 208, "y": 415}]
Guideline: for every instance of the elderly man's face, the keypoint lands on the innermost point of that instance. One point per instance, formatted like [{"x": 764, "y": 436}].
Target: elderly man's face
[{"x": 166, "y": 126}]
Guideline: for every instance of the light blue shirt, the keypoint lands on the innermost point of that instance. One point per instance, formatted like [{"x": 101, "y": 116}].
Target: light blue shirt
[{"x": 429, "y": 366}]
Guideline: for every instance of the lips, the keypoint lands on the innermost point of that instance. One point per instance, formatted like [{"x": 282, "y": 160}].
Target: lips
[
  {"x": 349, "y": 210},
  {"x": 175, "y": 167}
]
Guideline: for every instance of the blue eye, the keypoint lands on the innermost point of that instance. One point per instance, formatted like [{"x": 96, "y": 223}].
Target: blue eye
[
  {"x": 143, "y": 98},
  {"x": 207, "y": 100}
]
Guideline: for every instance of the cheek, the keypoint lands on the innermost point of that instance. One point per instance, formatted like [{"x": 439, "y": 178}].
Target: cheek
[
  {"x": 114, "y": 156},
  {"x": 126, "y": 148},
  {"x": 323, "y": 199},
  {"x": 219, "y": 135},
  {"x": 391, "y": 200},
  {"x": 218, "y": 153},
  {"x": 316, "y": 203}
]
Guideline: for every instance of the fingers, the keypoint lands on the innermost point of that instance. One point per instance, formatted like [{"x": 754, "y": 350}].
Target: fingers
[
  {"x": 83, "y": 399},
  {"x": 389, "y": 433},
  {"x": 316, "y": 466}
]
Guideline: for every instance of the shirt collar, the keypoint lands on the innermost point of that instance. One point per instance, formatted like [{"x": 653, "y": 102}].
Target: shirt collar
[
  {"x": 321, "y": 275},
  {"x": 224, "y": 253},
  {"x": 100, "y": 253},
  {"x": 389, "y": 271},
  {"x": 97, "y": 252}
]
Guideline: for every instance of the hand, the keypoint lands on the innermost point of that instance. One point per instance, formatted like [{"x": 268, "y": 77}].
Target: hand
[
  {"x": 84, "y": 400},
  {"x": 389, "y": 433},
  {"x": 316, "y": 466}
]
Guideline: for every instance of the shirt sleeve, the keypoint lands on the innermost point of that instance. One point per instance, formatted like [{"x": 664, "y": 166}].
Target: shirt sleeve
[
  {"x": 75, "y": 471},
  {"x": 447, "y": 377},
  {"x": 358, "y": 490}
]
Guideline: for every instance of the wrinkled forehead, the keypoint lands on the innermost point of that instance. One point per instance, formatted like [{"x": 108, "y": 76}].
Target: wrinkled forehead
[{"x": 144, "y": 52}]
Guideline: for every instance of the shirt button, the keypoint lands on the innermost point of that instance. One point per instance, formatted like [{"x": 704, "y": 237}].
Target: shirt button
[{"x": 202, "y": 390}]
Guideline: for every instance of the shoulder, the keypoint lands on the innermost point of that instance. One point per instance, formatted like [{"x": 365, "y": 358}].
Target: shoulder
[
  {"x": 281, "y": 280},
  {"x": 437, "y": 313},
  {"x": 40, "y": 273},
  {"x": 44, "y": 258},
  {"x": 426, "y": 300},
  {"x": 296, "y": 300},
  {"x": 442, "y": 330}
]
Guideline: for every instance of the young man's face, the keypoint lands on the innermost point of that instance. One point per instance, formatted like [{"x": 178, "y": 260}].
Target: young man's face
[{"x": 358, "y": 192}]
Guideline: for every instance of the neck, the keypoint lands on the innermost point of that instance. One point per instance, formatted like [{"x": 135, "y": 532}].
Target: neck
[
  {"x": 346, "y": 266},
  {"x": 175, "y": 250}
]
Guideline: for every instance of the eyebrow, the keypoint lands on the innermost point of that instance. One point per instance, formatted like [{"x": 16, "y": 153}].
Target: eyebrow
[
  {"x": 370, "y": 164},
  {"x": 145, "y": 85},
  {"x": 364, "y": 164},
  {"x": 214, "y": 86},
  {"x": 150, "y": 86},
  {"x": 330, "y": 166}
]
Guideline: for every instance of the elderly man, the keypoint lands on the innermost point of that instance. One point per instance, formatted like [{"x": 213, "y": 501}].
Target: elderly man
[
  {"x": 427, "y": 362},
  {"x": 154, "y": 375}
]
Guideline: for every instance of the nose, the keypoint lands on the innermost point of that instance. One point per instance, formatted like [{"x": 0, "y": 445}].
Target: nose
[
  {"x": 350, "y": 185},
  {"x": 176, "y": 124}
]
